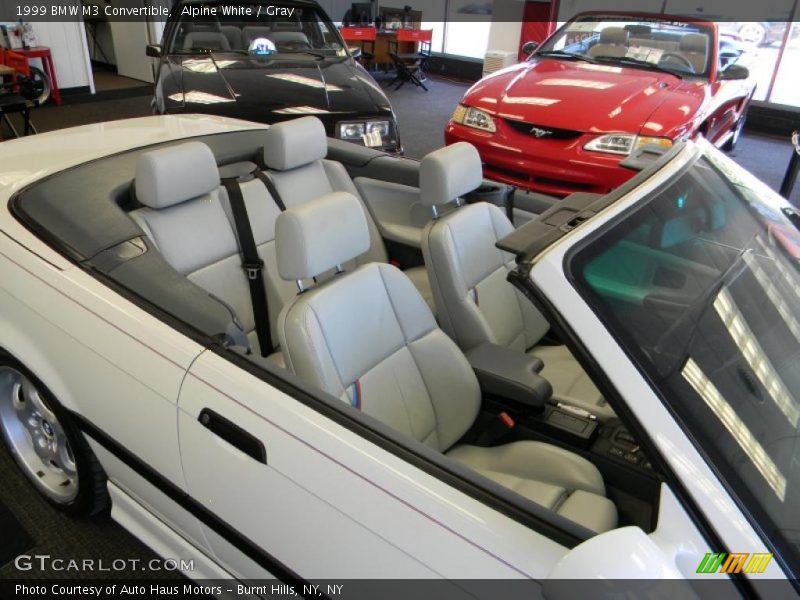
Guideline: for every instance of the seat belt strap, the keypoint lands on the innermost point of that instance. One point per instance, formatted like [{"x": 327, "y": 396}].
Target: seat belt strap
[
  {"x": 270, "y": 185},
  {"x": 251, "y": 263}
]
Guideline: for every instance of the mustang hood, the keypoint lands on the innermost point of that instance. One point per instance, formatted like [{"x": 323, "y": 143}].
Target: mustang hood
[
  {"x": 271, "y": 89},
  {"x": 577, "y": 95}
]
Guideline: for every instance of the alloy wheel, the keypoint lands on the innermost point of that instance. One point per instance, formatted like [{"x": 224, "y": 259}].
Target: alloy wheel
[{"x": 36, "y": 437}]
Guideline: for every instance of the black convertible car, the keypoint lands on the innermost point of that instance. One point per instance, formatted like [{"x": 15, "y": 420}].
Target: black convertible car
[{"x": 268, "y": 62}]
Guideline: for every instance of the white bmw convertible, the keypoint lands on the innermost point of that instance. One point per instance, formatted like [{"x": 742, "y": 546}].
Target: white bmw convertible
[{"x": 289, "y": 357}]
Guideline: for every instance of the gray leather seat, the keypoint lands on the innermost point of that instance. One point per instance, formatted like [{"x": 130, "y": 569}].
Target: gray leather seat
[
  {"x": 613, "y": 42},
  {"x": 368, "y": 338},
  {"x": 294, "y": 153},
  {"x": 213, "y": 40},
  {"x": 187, "y": 218},
  {"x": 475, "y": 303},
  {"x": 694, "y": 47}
]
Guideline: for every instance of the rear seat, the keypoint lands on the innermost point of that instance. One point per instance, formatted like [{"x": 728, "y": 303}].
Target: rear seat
[
  {"x": 187, "y": 218},
  {"x": 294, "y": 155}
]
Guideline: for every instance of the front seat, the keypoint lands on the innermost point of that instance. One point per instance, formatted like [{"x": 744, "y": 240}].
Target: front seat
[
  {"x": 613, "y": 42},
  {"x": 368, "y": 337},
  {"x": 295, "y": 153},
  {"x": 474, "y": 301},
  {"x": 211, "y": 40},
  {"x": 694, "y": 48}
]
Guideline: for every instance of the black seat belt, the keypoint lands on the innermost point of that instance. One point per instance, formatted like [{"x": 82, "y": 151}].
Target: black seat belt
[
  {"x": 252, "y": 264},
  {"x": 273, "y": 191}
]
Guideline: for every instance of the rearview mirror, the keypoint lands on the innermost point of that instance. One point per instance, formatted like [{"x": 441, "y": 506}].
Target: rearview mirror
[
  {"x": 529, "y": 48},
  {"x": 153, "y": 50},
  {"x": 734, "y": 71},
  {"x": 355, "y": 52}
]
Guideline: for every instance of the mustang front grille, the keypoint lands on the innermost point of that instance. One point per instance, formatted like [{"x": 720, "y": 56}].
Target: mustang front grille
[{"x": 542, "y": 132}]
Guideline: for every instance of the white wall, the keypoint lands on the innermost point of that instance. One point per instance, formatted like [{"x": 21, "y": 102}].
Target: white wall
[
  {"x": 506, "y": 26},
  {"x": 67, "y": 42}
]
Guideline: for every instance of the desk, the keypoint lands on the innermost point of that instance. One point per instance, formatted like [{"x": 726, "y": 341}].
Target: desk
[{"x": 43, "y": 52}]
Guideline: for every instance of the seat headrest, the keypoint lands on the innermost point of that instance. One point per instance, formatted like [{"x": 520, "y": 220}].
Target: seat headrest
[
  {"x": 206, "y": 39},
  {"x": 614, "y": 35},
  {"x": 295, "y": 143},
  {"x": 172, "y": 175},
  {"x": 315, "y": 236},
  {"x": 448, "y": 173},
  {"x": 693, "y": 42}
]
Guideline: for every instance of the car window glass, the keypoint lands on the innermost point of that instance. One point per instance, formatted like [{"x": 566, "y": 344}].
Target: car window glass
[
  {"x": 685, "y": 48},
  {"x": 701, "y": 287},
  {"x": 259, "y": 29}
]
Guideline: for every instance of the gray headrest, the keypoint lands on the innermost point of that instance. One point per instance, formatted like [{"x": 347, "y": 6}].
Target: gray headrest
[
  {"x": 614, "y": 35},
  {"x": 172, "y": 175},
  {"x": 206, "y": 39},
  {"x": 693, "y": 42},
  {"x": 295, "y": 143},
  {"x": 315, "y": 236},
  {"x": 448, "y": 173}
]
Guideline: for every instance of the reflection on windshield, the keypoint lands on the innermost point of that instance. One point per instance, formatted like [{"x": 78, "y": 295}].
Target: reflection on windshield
[
  {"x": 258, "y": 33},
  {"x": 674, "y": 46},
  {"x": 701, "y": 284}
]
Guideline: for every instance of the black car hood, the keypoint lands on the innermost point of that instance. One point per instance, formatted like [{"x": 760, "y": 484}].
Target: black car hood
[{"x": 269, "y": 89}]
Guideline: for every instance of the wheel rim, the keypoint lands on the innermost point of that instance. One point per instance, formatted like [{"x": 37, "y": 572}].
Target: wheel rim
[
  {"x": 752, "y": 33},
  {"x": 36, "y": 437}
]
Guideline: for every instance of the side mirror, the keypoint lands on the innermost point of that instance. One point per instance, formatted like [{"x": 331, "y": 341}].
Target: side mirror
[
  {"x": 636, "y": 567},
  {"x": 734, "y": 71},
  {"x": 529, "y": 48},
  {"x": 153, "y": 50},
  {"x": 355, "y": 52}
]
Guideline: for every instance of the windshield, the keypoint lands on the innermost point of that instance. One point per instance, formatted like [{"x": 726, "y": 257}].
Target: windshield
[
  {"x": 701, "y": 286},
  {"x": 682, "y": 48},
  {"x": 253, "y": 28}
]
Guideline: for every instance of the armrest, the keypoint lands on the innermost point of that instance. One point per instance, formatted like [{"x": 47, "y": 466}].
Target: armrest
[{"x": 510, "y": 374}]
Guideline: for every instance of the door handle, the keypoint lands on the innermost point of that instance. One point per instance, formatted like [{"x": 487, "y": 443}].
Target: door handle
[{"x": 233, "y": 434}]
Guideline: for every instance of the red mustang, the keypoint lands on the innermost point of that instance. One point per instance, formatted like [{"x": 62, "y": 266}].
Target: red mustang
[{"x": 597, "y": 89}]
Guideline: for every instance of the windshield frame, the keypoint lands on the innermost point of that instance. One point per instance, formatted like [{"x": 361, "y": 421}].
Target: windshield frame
[
  {"x": 176, "y": 19},
  {"x": 617, "y": 17},
  {"x": 575, "y": 259}
]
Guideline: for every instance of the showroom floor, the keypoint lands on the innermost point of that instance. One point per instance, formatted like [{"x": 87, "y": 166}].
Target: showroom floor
[{"x": 422, "y": 116}]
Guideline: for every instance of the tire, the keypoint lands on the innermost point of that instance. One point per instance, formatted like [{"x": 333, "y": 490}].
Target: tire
[
  {"x": 730, "y": 145},
  {"x": 753, "y": 33},
  {"x": 46, "y": 445},
  {"x": 36, "y": 87}
]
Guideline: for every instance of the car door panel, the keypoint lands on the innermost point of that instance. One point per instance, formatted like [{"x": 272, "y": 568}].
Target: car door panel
[
  {"x": 117, "y": 368},
  {"x": 397, "y": 210},
  {"x": 329, "y": 491}
]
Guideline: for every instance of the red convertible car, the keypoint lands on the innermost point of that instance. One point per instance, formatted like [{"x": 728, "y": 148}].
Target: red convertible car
[{"x": 597, "y": 89}]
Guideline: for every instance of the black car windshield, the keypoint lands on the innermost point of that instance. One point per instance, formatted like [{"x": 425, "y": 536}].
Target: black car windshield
[
  {"x": 679, "y": 47},
  {"x": 253, "y": 28},
  {"x": 701, "y": 286}
]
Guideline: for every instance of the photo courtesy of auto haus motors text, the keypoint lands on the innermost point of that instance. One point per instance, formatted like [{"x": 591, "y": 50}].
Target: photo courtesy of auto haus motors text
[{"x": 185, "y": 590}]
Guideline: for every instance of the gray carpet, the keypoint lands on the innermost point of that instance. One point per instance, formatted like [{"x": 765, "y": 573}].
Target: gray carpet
[{"x": 51, "y": 532}]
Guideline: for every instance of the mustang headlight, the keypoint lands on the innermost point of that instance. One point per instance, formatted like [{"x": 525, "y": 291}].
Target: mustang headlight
[
  {"x": 372, "y": 133},
  {"x": 624, "y": 143},
  {"x": 474, "y": 117}
]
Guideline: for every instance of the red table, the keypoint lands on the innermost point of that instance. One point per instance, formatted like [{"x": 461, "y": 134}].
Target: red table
[{"x": 43, "y": 52}]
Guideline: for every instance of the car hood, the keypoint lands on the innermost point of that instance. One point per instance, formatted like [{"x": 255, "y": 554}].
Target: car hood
[
  {"x": 583, "y": 96},
  {"x": 273, "y": 89}
]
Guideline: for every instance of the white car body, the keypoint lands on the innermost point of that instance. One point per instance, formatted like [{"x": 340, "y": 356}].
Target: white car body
[{"x": 330, "y": 504}]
